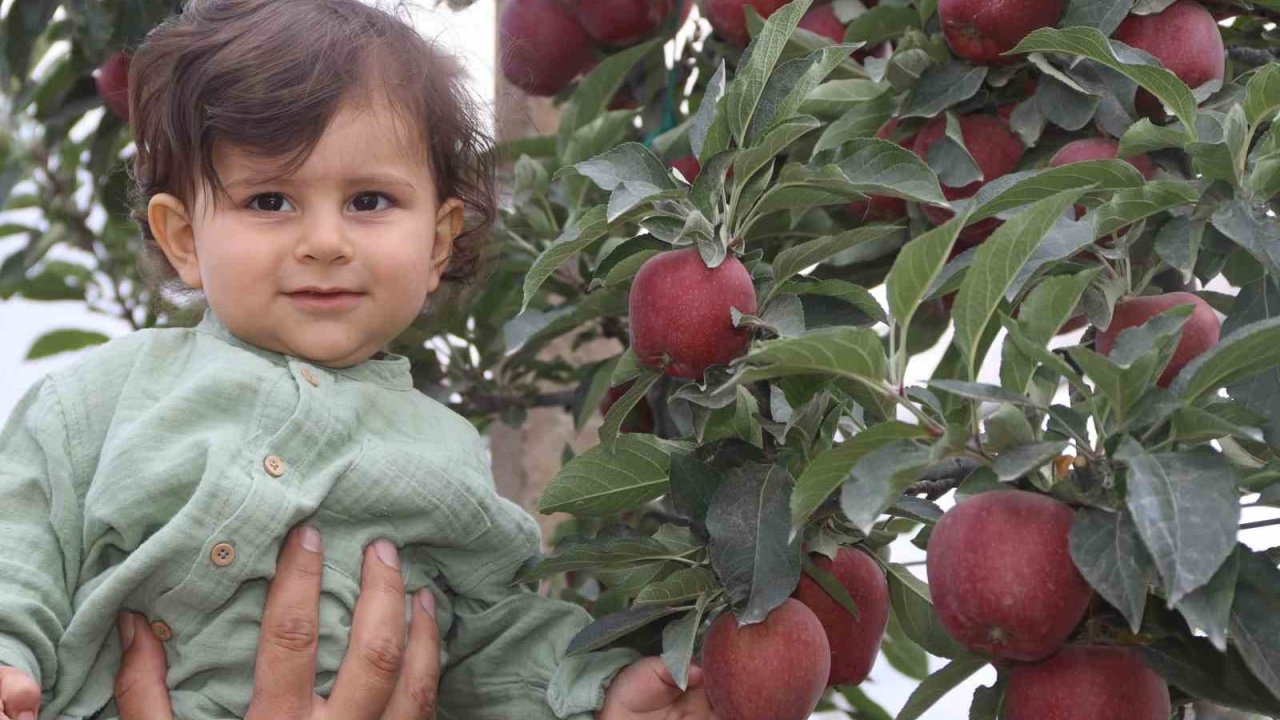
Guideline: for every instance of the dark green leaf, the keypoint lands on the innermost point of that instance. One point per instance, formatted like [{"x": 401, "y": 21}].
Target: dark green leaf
[
  {"x": 1108, "y": 552},
  {"x": 877, "y": 477},
  {"x": 943, "y": 86},
  {"x": 1255, "y": 618},
  {"x": 60, "y": 341},
  {"x": 612, "y": 627},
  {"x": 938, "y": 684},
  {"x": 1209, "y": 608},
  {"x": 603, "y": 482},
  {"x": 751, "y": 547},
  {"x": 829, "y": 470},
  {"x": 913, "y": 607}
]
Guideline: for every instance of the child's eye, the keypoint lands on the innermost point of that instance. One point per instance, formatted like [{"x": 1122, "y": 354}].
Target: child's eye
[
  {"x": 273, "y": 204},
  {"x": 362, "y": 201}
]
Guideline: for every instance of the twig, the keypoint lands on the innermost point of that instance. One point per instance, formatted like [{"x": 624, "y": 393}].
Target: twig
[
  {"x": 1260, "y": 524},
  {"x": 940, "y": 478}
]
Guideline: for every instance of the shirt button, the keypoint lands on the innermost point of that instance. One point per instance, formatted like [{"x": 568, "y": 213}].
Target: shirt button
[
  {"x": 274, "y": 465},
  {"x": 223, "y": 554},
  {"x": 162, "y": 630},
  {"x": 310, "y": 377}
]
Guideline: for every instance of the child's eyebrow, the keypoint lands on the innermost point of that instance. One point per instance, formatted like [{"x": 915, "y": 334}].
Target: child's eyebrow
[{"x": 359, "y": 180}]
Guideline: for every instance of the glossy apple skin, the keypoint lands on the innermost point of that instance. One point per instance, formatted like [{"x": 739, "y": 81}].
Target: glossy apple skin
[
  {"x": 1087, "y": 683},
  {"x": 1185, "y": 38},
  {"x": 112, "y": 81},
  {"x": 1088, "y": 149},
  {"x": 729, "y": 18},
  {"x": 996, "y": 149},
  {"x": 772, "y": 670},
  {"x": 542, "y": 46},
  {"x": 980, "y": 31},
  {"x": 688, "y": 166},
  {"x": 1199, "y": 334},
  {"x": 855, "y": 642},
  {"x": 622, "y": 23},
  {"x": 680, "y": 312},
  {"x": 1002, "y": 578}
]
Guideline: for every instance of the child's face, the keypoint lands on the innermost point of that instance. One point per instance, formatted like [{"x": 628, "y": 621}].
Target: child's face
[{"x": 360, "y": 216}]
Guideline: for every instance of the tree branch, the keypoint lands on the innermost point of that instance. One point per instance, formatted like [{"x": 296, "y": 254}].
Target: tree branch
[{"x": 942, "y": 477}]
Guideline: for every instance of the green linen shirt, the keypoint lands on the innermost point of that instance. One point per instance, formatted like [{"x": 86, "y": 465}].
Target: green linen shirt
[{"x": 139, "y": 479}]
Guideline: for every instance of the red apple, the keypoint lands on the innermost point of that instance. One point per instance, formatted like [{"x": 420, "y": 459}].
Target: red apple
[
  {"x": 639, "y": 420},
  {"x": 822, "y": 19},
  {"x": 883, "y": 208},
  {"x": 688, "y": 166},
  {"x": 995, "y": 148},
  {"x": 1098, "y": 149},
  {"x": 1001, "y": 575},
  {"x": 1185, "y": 38},
  {"x": 854, "y": 642},
  {"x": 981, "y": 30},
  {"x": 621, "y": 23},
  {"x": 1199, "y": 334},
  {"x": 772, "y": 670},
  {"x": 542, "y": 45},
  {"x": 680, "y": 312},
  {"x": 112, "y": 81},
  {"x": 729, "y": 17},
  {"x": 1087, "y": 683}
]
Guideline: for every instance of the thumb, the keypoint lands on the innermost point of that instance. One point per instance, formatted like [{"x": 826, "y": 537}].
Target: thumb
[
  {"x": 19, "y": 694},
  {"x": 644, "y": 686},
  {"x": 140, "y": 688}
]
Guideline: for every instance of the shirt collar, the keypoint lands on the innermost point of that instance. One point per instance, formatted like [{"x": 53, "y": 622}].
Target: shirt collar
[{"x": 386, "y": 369}]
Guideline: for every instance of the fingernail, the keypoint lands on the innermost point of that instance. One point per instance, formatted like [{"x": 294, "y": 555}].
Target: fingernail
[
  {"x": 387, "y": 553},
  {"x": 427, "y": 601},
  {"x": 125, "y": 623},
  {"x": 310, "y": 538}
]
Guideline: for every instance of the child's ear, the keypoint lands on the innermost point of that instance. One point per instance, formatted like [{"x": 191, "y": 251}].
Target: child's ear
[
  {"x": 174, "y": 233},
  {"x": 449, "y": 221}
]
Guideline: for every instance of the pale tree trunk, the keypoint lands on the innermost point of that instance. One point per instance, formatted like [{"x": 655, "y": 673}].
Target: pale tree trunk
[{"x": 526, "y": 458}]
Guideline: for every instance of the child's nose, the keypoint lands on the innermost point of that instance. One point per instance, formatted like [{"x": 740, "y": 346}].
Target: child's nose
[{"x": 324, "y": 242}]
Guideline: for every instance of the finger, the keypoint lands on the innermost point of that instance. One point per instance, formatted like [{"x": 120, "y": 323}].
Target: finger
[
  {"x": 140, "y": 690},
  {"x": 695, "y": 677},
  {"x": 19, "y": 693},
  {"x": 285, "y": 674},
  {"x": 418, "y": 687},
  {"x": 376, "y": 648}
]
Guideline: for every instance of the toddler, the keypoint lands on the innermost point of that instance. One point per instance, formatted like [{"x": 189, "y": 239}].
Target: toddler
[{"x": 303, "y": 166}]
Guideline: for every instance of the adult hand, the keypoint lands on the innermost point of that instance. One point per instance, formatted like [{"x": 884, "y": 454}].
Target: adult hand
[{"x": 380, "y": 679}]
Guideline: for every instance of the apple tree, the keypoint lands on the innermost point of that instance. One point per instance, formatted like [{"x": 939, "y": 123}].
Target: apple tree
[{"x": 1066, "y": 209}]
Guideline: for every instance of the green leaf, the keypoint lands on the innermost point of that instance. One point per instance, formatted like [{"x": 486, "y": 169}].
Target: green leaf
[
  {"x": 1050, "y": 304},
  {"x": 1196, "y": 667},
  {"x": 938, "y": 684},
  {"x": 612, "y": 627},
  {"x": 1261, "y": 393},
  {"x": 986, "y": 702},
  {"x": 831, "y": 586},
  {"x": 752, "y": 159},
  {"x": 706, "y": 111},
  {"x": 588, "y": 228},
  {"x": 1264, "y": 179},
  {"x": 1105, "y": 15},
  {"x": 854, "y": 353},
  {"x": 1251, "y": 230},
  {"x": 846, "y": 292},
  {"x": 603, "y": 482},
  {"x": 1209, "y": 608},
  {"x": 628, "y": 162},
  {"x": 902, "y": 653},
  {"x": 60, "y": 341},
  {"x": 1130, "y": 206},
  {"x": 678, "y": 638},
  {"x": 1145, "y": 136},
  {"x": 692, "y": 485},
  {"x": 1255, "y": 618},
  {"x": 1090, "y": 43},
  {"x": 828, "y": 471},
  {"x": 982, "y": 391},
  {"x": 757, "y": 64},
  {"x": 877, "y": 477},
  {"x": 913, "y": 607},
  {"x": 623, "y": 406},
  {"x": 1109, "y": 554},
  {"x": 943, "y": 86},
  {"x": 880, "y": 23},
  {"x": 918, "y": 265},
  {"x": 1018, "y": 189},
  {"x": 1186, "y": 509},
  {"x": 751, "y": 547},
  {"x": 1018, "y": 461},
  {"x": 996, "y": 265},
  {"x": 1262, "y": 94},
  {"x": 1250, "y": 350},
  {"x": 791, "y": 83},
  {"x": 862, "y": 120},
  {"x": 680, "y": 586},
  {"x": 874, "y": 166},
  {"x": 1222, "y": 139},
  {"x": 597, "y": 89},
  {"x": 791, "y": 261}
]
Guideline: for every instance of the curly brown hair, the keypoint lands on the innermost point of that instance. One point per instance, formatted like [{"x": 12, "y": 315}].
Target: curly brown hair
[{"x": 267, "y": 76}]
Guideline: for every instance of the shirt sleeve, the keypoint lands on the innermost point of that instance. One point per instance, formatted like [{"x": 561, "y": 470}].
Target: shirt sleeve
[
  {"x": 507, "y": 644},
  {"x": 38, "y": 514}
]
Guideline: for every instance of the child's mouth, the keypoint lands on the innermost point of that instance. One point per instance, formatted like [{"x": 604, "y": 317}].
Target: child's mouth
[{"x": 326, "y": 300}]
